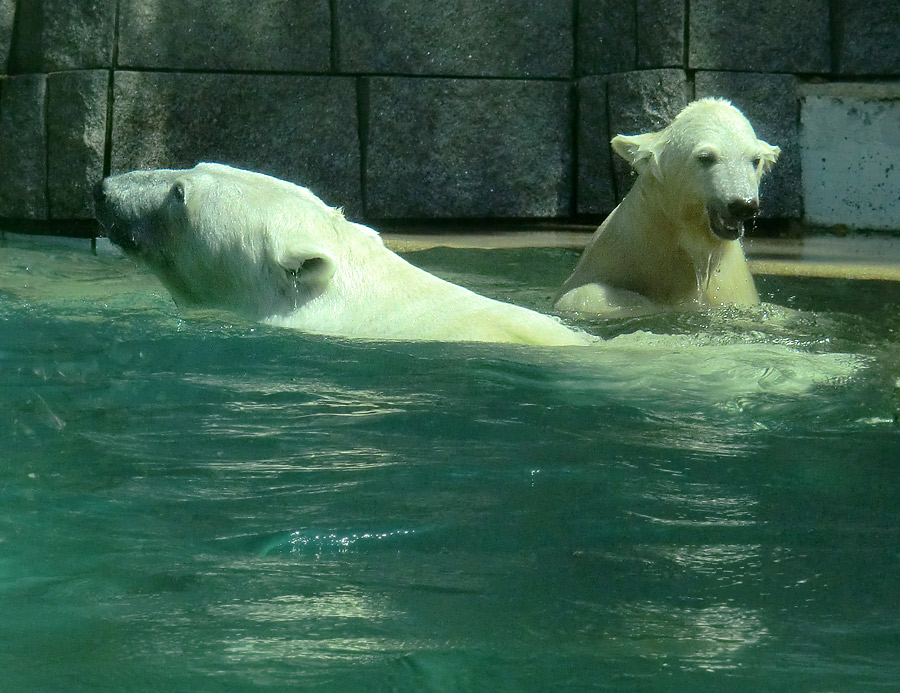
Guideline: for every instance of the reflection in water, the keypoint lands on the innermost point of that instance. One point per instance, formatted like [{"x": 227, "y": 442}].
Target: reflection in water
[
  {"x": 698, "y": 505},
  {"x": 292, "y": 651},
  {"x": 729, "y": 562},
  {"x": 348, "y": 603},
  {"x": 707, "y": 637},
  {"x": 319, "y": 542},
  {"x": 346, "y": 625}
]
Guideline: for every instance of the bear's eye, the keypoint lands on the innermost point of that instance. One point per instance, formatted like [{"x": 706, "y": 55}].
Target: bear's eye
[
  {"x": 756, "y": 161},
  {"x": 706, "y": 157},
  {"x": 178, "y": 192}
]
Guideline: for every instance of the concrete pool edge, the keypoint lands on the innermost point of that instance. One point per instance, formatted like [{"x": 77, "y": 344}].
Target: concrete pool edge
[{"x": 855, "y": 256}]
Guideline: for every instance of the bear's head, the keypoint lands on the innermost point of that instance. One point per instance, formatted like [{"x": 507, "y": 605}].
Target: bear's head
[
  {"x": 709, "y": 162},
  {"x": 223, "y": 237}
]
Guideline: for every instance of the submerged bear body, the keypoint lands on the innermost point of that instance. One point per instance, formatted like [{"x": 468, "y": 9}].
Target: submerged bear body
[{"x": 675, "y": 238}]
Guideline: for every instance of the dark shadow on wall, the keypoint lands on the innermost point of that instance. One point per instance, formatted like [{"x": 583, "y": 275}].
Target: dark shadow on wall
[
  {"x": 25, "y": 54},
  {"x": 59, "y": 35},
  {"x": 836, "y": 24}
]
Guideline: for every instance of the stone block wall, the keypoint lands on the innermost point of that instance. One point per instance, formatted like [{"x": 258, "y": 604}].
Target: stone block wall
[
  {"x": 468, "y": 148},
  {"x": 508, "y": 39},
  {"x": 397, "y": 109}
]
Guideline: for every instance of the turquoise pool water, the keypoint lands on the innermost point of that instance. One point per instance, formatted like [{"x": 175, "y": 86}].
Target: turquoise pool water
[{"x": 705, "y": 502}]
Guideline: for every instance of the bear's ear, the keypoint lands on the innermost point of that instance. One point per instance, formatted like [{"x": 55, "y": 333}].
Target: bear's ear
[
  {"x": 641, "y": 151},
  {"x": 310, "y": 267},
  {"x": 770, "y": 154}
]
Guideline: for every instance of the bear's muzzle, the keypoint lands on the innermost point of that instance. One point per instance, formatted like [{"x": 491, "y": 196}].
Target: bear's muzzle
[{"x": 728, "y": 223}]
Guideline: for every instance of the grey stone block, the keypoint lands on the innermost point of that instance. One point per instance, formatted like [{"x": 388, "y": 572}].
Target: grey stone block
[
  {"x": 772, "y": 105},
  {"x": 761, "y": 36},
  {"x": 468, "y": 148},
  {"x": 639, "y": 102},
  {"x": 870, "y": 37},
  {"x": 53, "y": 35},
  {"x": 596, "y": 189},
  {"x": 7, "y": 17},
  {"x": 77, "y": 35},
  {"x": 501, "y": 38},
  {"x": 271, "y": 35},
  {"x": 660, "y": 33},
  {"x": 301, "y": 129},
  {"x": 607, "y": 36},
  {"x": 23, "y": 147},
  {"x": 76, "y": 127}
]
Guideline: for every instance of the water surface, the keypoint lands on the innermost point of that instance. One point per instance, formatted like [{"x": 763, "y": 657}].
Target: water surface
[{"x": 706, "y": 501}]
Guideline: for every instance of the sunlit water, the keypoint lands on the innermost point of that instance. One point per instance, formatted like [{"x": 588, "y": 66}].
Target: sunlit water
[{"x": 705, "y": 502}]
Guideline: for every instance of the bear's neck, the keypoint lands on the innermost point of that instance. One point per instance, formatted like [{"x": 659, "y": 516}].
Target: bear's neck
[{"x": 675, "y": 238}]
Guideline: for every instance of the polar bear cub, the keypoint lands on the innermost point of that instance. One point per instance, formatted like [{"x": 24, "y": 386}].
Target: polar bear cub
[
  {"x": 223, "y": 237},
  {"x": 675, "y": 238}
]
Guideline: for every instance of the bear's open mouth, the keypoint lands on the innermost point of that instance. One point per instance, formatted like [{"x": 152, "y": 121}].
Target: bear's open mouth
[
  {"x": 725, "y": 226},
  {"x": 116, "y": 233}
]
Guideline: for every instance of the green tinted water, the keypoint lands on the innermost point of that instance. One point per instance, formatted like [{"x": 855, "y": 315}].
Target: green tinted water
[{"x": 708, "y": 502}]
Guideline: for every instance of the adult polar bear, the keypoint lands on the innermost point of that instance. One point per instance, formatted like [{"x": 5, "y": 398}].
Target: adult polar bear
[
  {"x": 675, "y": 238},
  {"x": 222, "y": 237}
]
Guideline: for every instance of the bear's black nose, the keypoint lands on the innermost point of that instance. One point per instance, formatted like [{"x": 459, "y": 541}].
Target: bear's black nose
[
  {"x": 102, "y": 209},
  {"x": 743, "y": 208}
]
